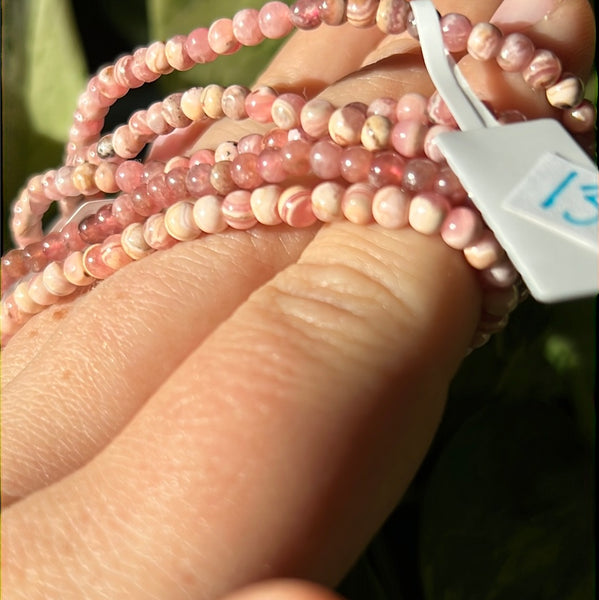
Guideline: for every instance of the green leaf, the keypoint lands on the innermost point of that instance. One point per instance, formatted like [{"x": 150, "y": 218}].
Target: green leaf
[
  {"x": 41, "y": 80},
  {"x": 508, "y": 511},
  {"x": 170, "y": 17}
]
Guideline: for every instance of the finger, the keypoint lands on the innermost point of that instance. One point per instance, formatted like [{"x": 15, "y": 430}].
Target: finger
[
  {"x": 317, "y": 398},
  {"x": 116, "y": 346},
  {"x": 283, "y": 590}
]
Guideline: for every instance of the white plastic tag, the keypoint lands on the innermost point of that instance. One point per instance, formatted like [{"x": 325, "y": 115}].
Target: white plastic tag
[{"x": 534, "y": 186}]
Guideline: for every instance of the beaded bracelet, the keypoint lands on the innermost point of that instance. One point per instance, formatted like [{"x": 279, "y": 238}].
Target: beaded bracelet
[{"x": 367, "y": 164}]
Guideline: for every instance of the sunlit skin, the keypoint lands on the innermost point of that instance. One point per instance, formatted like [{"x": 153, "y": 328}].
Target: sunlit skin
[{"x": 250, "y": 405}]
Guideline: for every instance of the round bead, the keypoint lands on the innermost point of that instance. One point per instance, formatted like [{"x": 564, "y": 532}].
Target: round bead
[
  {"x": 407, "y": 137},
  {"x": 226, "y": 151},
  {"x": 516, "y": 51},
  {"x": 326, "y": 201},
  {"x": 296, "y": 158},
  {"x": 305, "y": 14},
  {"x": 83, "y": 179},
  {"x": 93, "y": 264},
  {"x": 419, "y": 175},
  {"x": 427, "y": 212},
  {"x": 332, "y": 12},
  {"x": 392, "y": 16},
  {"x": 390, "y": 207},
  {"x": 220, "y": 178},
  {"x": 55, "y": 281},
  {"x": 134, "y": 243},
  {"x": 581, "y": 118},
  {"x": 237, "y": 211},
  {"x": 198, "y": 47},
  {"x": 74, "y": 271},
  {"x": 355, "y": 164},
  {"x": 484, "y": 41},
  {"x": 315, "y": 115},
  {"x": 485, "y": 252},
  {"x": 39, "y": 293},
  {"x": 156, "y": 59},
  {"x": 179, "y": 221},
  {"x": 264, "y": 202},
  {"x": 212, "y": 96},
  {"x": 105, "y": 178},
  {"x": 387, "y": 168},
  {"x": 155, "y": 233},
  {"x": 345, "y": 125},
  {"x": 176, "y": 53},
  {"x": 356, "y": 203},
  {"x": 439, "y": 112},
  {"x": 156, "y": 121},
  {"x": 412, "y": 106},
  {"x": 246, "y": 27},
  {"x": 376, "y": 132},
  {"x": 23, "y": 301},
  {"x": 566, "y": 93},
  {"x": 461, "y": 227},
  {"x": 112, "y": 253},
  {"x": 325, "y": 159},
  {"x": 285, "y": 110},
  {"x": 233, "y": 102},
  {"x": 543, "y": 70},
  {"x": 361, "y": 13},
  {"x": 431, "y": 150},
  {"x": 244, "y": 171},
  {"x": 455, "y": 29},
  {"x": 274, "y": 20},
  {"x": 207, "y": 214},
  {"x": 173, "y": 113},
  {"x": 295, "y": 206},
  {"x": 191, "y": 103},
  {"x": 221, "y": 37},
  {"x": 499, "y": 302},
  {"x": 270, "y": 165},
  {"x": 384, "y": 107},
  {"x": 258, "y": 104}
]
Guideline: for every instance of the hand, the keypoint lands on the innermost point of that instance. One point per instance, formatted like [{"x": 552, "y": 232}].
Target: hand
[{"x": 251, "y": 404}]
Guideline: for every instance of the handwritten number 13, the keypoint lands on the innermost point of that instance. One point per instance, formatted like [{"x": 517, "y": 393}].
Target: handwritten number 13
[{"x": 589, "y": 194}]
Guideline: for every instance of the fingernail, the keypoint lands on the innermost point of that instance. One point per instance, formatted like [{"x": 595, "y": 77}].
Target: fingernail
[{"x": 516, "y": 14}]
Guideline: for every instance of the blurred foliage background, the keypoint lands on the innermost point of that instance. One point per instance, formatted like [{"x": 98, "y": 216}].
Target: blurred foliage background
[{"x": 504, "y": 505}]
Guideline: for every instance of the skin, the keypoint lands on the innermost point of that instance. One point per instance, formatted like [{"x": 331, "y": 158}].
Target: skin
[{"x": 250, "y": 405}]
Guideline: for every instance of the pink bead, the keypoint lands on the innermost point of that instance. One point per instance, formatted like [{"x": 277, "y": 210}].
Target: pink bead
[
  {"x": 419, "y": 175},
  {"x": 55, "y": 281},
  {"x": 107, "y": 84},
  {"x": 104, "y": 178},
  {"x": 179, "y": 221},
  {"x": 392, "y": 16},
  {"x": 264, "y": 201},
  {"x": 173, "y": 113},
  {"x": 244, "y": 171},
  {"x": 71, "y": 237},
  {"x": 275, "y": 139},
  {"x": 112, "y": 253},
  {"x": 462, "y": 226},
  {"x": 387, "y": 168},
  {"x": 361, "y": 13},
  {"x": 427, "y": 212},
  {"x": 295, "y": 206},
  {"x": 198, "y": 180},
  {"x": 127, "y": 144},
  {"x": 123, "y": 210},
  {"x": 246, "y": 27},
  {"x": 39, "y": 293},
  {"x": 332, "y": 12},
  {"x": 456, "y": 29},
  {"x": 233, "y": 102},
  {"x": 140, "y": 69},
  {"x": 285, "y": 110},
  {"x": 259, "y": 103},
  {"x": 134, "y": 243},
  {"x": 516, "y": 52},
  {"x": 543, "y": 70},
  {"x": 200, "y": 157},
  {"x": 355, "y": 164},
  {"x": 438, "y": 111},
  {"x": 305, "y": 14},
  {"x": 325, "y": 159},
  {"x": 155, "y": 234},
  {"x": 176, "y": 53},
  {"x": 156, "y": 121},
  {"x": 447, "y": 183},
  {"x": 93, "y": 88},
  {"x": 89, "y": 106},
  {"x": 34, "y": 257},
  {"x": 326, "y": 201},
  {"x": 151, "y": 168},
  {"x": 502, "y": 274},
  {"x": 413, "y": 107},
  {"x": 315, "y": 116},
  {"x": 54, "y": 247},
  {"x": 123, "y": 73},
  {"x": 85, "y": 131},
  {"x": 384, "y": 107},
  {"x": 207, "y": 214},
  {"x": 407, "y": 137},
  {"x": 147, "y": 204},
  {"x": 198, "y": 47},
  {"x": 220, "y": 178},
  {"x": 250, "y": 144},
  {"x": 237, "y": 210},
  {"x": 64, "y": 182},
  {"x": 221, "y": 37},
  {"x": 275, "y": 20},
  {"x": 431, "y": 150},
  {"x": 128, "y": 175},
  {"x": 176, "y": 162},
  {"x": 73, "y": 270},
  {"x": 357, "y": 203},
  {"x": 484, "y": 41},
  {"x": 94, "y": 265},
  {"x": 156, "y": 59},
  {"x": 581, "y": 118},
  {"x": 49, "y": 185},
  {"x": 23, "y": 302},
  {"x": 192, "y": 105},
  {"x": 296, "y": 158},
  {"x": 484, "y": 252},
  {"x": 270, "y": 166},
  {"x": 345, "y": 125},
  {"x": 390, "y": 207}
]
